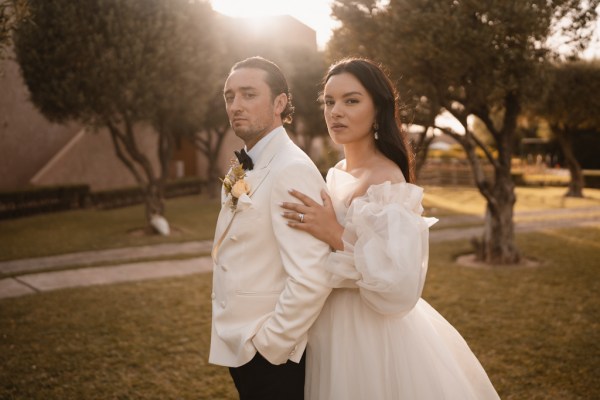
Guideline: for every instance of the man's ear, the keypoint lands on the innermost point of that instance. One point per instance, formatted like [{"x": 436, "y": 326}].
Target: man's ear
[{"x": 280, "y": 102}]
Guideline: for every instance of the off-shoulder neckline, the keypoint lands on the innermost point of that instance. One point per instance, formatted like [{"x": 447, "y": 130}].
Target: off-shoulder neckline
[
  {"x": 372, "y": 185},
  {"x": 342, "y": 163},
  {"x": 374, "y": 188},
  {"x": 345, "y": 172}
]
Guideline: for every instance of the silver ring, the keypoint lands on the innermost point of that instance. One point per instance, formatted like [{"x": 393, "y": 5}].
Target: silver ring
[{"x": 301, "y": 217}]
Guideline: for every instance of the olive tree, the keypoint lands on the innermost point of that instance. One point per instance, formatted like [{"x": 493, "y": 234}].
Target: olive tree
[
  {"x": 570, "y": 104},
  {"x": 473, "y": 59},
  {"x": 117, "y": 64},
  {"x": 12, "y": 12}
]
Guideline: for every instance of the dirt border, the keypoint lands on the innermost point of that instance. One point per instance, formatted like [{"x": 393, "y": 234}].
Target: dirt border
[{"x": 468, "y": 260}]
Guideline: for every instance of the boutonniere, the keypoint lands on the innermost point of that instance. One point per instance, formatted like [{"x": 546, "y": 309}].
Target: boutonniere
[{"x": 234, "y": 183}]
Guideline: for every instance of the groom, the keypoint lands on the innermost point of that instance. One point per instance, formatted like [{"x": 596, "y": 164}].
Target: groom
[{"x": 268, "y": 279}]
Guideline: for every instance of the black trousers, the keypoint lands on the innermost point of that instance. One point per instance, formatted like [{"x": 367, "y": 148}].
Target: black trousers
[{"x": 260, "y": 380}]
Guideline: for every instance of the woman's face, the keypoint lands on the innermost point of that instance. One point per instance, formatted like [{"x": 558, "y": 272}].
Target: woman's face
[{"x": 349, "y": 109}]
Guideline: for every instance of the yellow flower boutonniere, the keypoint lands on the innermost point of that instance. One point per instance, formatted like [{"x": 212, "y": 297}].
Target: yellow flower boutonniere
[{"x": 234, "y": 183}]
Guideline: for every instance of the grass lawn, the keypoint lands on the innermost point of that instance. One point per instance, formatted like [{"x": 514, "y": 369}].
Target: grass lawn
[
  {"x": 194, "y": 217},
  {"x": 191, "y": 218},
  {"x": 466, "y": 200},
  {"x": 535, "y": 330}
]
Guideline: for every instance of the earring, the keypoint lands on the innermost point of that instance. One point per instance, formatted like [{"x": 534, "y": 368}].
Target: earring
[{"x": 375, "y": 129}]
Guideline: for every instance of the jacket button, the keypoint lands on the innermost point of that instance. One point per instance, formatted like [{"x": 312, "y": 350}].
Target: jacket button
[
  {"x": 213, "y": 296},
  {"x": 223, "y": 304},
  {"x": 234, "y": 238},
  {"x": 224, "y": 268}
]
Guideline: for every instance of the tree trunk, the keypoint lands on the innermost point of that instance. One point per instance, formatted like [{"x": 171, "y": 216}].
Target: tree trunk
[
  {"x": 213, "y": 185},
  {"x": 155, "y": 188},
  {"x": 210, "y": 142},
  {"x": 421, "y": 148},
  {"x": 497, "y": 246},
  {"x": 128, "y": 152},
  {"x": 154, "y": 199},
  {"x": 498, "y": 242},
  {"x": 576, "y": 183}
]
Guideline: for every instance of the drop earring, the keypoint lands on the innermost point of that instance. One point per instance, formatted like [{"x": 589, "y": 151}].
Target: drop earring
[{"x": 375, "y": 129}]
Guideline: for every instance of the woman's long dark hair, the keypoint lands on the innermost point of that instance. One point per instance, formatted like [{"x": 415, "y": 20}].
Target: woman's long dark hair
[{"x": 393, "y": 140}]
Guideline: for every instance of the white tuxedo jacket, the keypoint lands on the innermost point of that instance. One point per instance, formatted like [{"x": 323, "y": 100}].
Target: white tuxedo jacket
[{"x": 268, "y": 279}]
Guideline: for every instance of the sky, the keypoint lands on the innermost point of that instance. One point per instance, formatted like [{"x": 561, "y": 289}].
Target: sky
[
  {"x": 314, "y": 13},
  {"x": 593, "y": 50}
]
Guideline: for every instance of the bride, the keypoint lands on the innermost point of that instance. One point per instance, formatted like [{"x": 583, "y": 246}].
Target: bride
[{"x": 376, "y": 338}]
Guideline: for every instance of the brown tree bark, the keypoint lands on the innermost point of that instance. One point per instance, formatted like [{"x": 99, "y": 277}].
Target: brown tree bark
[
  {"x": 497, "y": 245},
  {"x": 577, "y": 182},
  {"x": 139, "y": 165},
  {"x": 421, "y": 148},
  {"x": 209, "y": 143}
]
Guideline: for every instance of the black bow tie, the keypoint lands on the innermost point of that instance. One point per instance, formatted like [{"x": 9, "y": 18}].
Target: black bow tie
[{"x": 244, "y": 159}]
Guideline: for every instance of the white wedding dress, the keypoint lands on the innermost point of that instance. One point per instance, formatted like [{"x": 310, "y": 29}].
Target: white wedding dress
[{"x": 376, "y": 339}]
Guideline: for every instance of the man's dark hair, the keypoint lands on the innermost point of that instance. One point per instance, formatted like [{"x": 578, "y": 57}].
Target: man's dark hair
[{"x": 275, "y": 79}]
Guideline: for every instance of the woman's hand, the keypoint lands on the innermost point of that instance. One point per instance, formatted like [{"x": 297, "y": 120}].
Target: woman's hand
[{"x": 318, "y": 220}]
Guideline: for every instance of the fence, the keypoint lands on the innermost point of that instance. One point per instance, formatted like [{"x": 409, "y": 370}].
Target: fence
[{"x": 450, "y": 172}]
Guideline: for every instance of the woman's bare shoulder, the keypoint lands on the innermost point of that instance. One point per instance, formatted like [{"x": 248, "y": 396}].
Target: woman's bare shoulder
[
  {"x": 377, "y": 174},
  {"x": 384, "y": 171}
]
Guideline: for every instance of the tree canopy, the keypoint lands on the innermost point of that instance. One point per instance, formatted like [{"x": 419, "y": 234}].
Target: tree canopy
[
  {"x": 571, "y": 97},
  {"x": 104, "y": 60},
  {"x": 471, "y": 58},
  {"x": 117, "y": 63},
  {"x": 12, "y": 12},
  {"x": 570, "y": 104}
]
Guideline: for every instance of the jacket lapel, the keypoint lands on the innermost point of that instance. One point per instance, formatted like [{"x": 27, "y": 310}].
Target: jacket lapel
[
  {"x": 255, "y": 178},
  {"x": 261, "y": 166}
]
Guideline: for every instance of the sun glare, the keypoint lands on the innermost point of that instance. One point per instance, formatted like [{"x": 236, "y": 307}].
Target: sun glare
[
  {"x": 314, "y": 13},
  {"x": 245, "y": 8}
]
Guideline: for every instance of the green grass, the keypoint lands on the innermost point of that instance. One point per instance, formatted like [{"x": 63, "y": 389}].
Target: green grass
[
  {"x": 191, "y": 218},
  {"x": 535, "y": 330}
]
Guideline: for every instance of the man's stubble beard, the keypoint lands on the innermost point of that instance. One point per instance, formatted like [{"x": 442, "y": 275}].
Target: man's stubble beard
[{"x": 251, "y": 132}]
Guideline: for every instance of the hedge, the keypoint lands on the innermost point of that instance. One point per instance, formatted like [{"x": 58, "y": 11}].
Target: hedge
[{"x": 36, "y": 200}]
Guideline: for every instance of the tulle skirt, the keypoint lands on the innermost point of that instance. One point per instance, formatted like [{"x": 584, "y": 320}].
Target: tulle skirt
[{"x": 356, "y": 353}]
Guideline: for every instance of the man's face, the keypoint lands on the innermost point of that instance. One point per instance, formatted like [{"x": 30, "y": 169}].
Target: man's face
[{"x": 251, "y": 109}]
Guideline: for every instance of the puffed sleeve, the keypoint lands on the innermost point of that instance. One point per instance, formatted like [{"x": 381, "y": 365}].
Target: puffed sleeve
[{"x": 386, "y": 248}]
